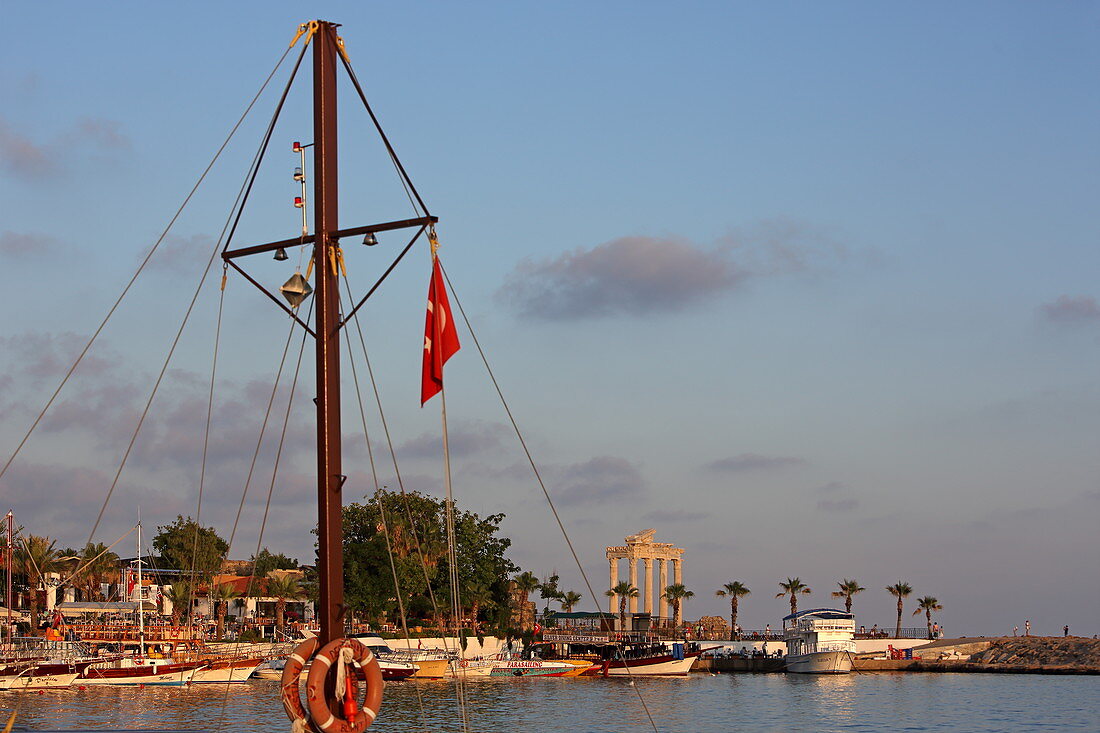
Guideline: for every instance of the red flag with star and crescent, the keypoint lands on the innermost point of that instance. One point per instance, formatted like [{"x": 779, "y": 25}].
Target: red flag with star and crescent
[{"x": 440, "y": 336}]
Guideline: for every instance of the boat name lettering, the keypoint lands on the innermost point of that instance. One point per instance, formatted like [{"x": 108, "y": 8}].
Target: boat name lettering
[{"x": 576, "y": 638}]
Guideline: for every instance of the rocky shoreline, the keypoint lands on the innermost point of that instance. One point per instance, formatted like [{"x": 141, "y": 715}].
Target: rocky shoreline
[{"x": 1006, "y": 655}]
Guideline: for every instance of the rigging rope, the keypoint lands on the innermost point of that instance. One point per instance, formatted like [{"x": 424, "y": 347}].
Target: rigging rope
[
  {"x": 381, "y": 505},
  {"x": 460, "y": 677},
  {"x": 141, "y": 267},
  {"x": 538, "y": 475}
]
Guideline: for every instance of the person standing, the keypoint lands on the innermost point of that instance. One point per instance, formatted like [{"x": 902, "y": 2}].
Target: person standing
[
  {"x": 1027, "y": 627},
  {"x": 1015, "y": 630},
  {"x": 1065, "y": 630}
]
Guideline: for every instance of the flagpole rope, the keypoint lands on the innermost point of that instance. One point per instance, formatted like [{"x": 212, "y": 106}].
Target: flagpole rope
[
  {"x": 538, "y": 476},
  {"x": 460, "y": 681}
]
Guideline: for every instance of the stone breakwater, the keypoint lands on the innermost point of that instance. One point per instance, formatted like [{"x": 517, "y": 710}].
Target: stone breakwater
[{"x": 1013, "y": 655}]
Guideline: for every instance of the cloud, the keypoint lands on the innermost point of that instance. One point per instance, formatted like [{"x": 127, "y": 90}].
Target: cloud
[
  {"x": 22, "y": 156},
  {"x": 838, "y": 505},
  {"x": 24, "y": 244},
  {"x": 641, "y": 275},
  {"x": 178, "y": 254},
  {"x": 597, "y": 481},
  {"x": 1071, "y": 309},
  {"x": 37, "y": 160},
  {"x": 673, "y": 515},
  {"x": 463, "y": 440},
  {"x": 634, "y": 275},
  {"x": 752, "y": 462}
]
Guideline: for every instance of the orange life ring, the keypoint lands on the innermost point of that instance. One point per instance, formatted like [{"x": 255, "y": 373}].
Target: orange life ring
[
  {"x": 463, "y": 663},
  {"x": 321, "y": 716},
  {"x": 292, "y": 701}
]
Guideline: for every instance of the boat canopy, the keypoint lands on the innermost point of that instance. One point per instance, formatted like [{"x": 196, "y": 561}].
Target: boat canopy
[{"x": 820, "y": 613}]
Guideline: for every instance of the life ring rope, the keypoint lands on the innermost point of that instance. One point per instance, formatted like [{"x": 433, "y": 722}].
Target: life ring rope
[{"x": 316, "y": 713}]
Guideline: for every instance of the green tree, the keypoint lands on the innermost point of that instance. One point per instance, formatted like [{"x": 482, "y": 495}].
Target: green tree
[
  {"x": 793, "y": 586},
  {"x": 677, "y": 594},
  {"x": 623, "y": 590},
  {"x": 415, "y": 526},
  {"x": 282, "y": 589},
  {"x": 899, "y": 590},
  {"x": 180, "y": 548},
  {"x": 928, "y": 604},
  {"x": 735, "y": 590},
  {"x": 569, "y": 599},
  {"x": 34, "y": 557},
  {"x": 265, "y": 562},
  {"x": 848, "y": 588}
]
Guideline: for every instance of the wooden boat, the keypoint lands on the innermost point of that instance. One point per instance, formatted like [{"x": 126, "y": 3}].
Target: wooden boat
[
  {"x": 606, "y": 657},
  {"x": 148, "y": 673},
  {"x": 226, "y": 671}
]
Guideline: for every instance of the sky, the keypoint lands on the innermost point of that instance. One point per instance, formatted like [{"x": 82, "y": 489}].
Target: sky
[{"x": 808, "y": 288}]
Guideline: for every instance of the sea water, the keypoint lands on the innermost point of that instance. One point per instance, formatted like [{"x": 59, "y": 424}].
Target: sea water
[{"x": 700, "y": 703}]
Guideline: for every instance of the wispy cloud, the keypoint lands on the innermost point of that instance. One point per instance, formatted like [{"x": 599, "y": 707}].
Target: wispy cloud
[
  {"x": 673, "y": 515},
  {"x": 22, "y": 155},
  {"x": 597, "y": 481},
  {"x": 464, "y": 440},
  {"x": 1071, "y": 309},
  {"x": 641, "y": 275},
  {"x": 753, "y": 462},
  {"x": 837, "y": 505},
  {"x": 632, "y": 275}
]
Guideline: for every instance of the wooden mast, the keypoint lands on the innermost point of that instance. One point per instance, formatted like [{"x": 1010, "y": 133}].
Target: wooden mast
[{"x": 330, "y": 478}]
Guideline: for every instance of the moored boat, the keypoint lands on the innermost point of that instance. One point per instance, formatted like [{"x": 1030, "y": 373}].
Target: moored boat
[{"x": 819, "y": 641}]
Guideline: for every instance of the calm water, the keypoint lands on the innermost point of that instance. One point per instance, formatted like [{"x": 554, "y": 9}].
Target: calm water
[{"x": 697, "y": 704}]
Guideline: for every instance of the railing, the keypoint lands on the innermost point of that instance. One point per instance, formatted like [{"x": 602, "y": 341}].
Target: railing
[{"x": 907, "y": 632}]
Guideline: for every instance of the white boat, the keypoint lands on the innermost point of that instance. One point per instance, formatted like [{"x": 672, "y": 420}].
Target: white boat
[
  {"x": 224, "y": 671},
  {"x": 819, "y": 641}
]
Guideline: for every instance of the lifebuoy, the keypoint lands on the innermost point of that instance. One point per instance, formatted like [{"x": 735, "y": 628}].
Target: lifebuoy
[
  {"x": 292, "y": 701},
  {"x": 321, "y": 716},
  {"x": 463, "y": 663}
]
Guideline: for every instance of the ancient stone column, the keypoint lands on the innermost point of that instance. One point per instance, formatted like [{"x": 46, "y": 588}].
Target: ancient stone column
[
  {"x": 614, "y": 561},
  {"x": 633, "y": 563},
  {"x": 648, "y": 584},
  {"x": 662, "y": 602}
]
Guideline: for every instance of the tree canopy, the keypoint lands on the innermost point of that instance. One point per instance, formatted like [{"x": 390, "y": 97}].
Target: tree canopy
[
  {"x": 416, "y": 526},
  {"x": 175, "y": 543},
  {"x": 265, "y": 562}
]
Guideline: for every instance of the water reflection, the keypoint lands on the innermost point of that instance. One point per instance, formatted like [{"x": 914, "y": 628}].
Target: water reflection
[{"x": 697, "y": 704}]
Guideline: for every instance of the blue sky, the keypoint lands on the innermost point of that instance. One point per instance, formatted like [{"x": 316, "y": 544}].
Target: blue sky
[{"x": 811, "y": 289}]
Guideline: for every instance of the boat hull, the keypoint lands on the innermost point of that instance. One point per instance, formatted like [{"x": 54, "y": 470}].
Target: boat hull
[
  {"x": 532, "y": 669},
  {"x": 831, "y": 662},
  {"x": 432, "y": 668},
  {"x": 665, "y": 666},
  {"x": 38, "y": 682},
  {"x": 226, "y": 672},
  {"x": 167, "y": 674}
]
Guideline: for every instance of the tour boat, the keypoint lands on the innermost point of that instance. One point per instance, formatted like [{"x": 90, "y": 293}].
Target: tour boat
[
  {"x": 127, "y": 671},
  {"x": 622, "y": 658},
  {"x": 819, "y": 641},
  {"x": 427, "y": 663},
  {"x": 223, "y": 671}
]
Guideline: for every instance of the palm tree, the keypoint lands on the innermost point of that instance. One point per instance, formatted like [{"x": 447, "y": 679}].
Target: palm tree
[
  {"x": 793, "y": 586},
  {"x": 848, "y": 588},
  {"x": 35, "y": 557},
  {"x": 222, "y": 595},
  {"x": 623, "y": 590},
  {"x": 99, "y": 563},
  {"x": 676, "y": 593},
  {"x": 282, "y": 589},
  {"x": 900, "y": 590},
  {"x": 179, "y": 595},
  {"x": 735, "y": 590},
  {"x": 928, "y": 604},
  {"x": 569, "y": 599}
]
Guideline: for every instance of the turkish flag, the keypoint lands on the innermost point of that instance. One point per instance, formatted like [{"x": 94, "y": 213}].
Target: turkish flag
[
  {"x": 129, "y": 584},
  {"x": 440, "y": 336}
]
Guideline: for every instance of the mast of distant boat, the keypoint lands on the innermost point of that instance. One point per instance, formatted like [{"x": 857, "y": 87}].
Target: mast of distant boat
[
  {"x": 141, "y": 606},
  {"x": 8, "y": 560}
]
